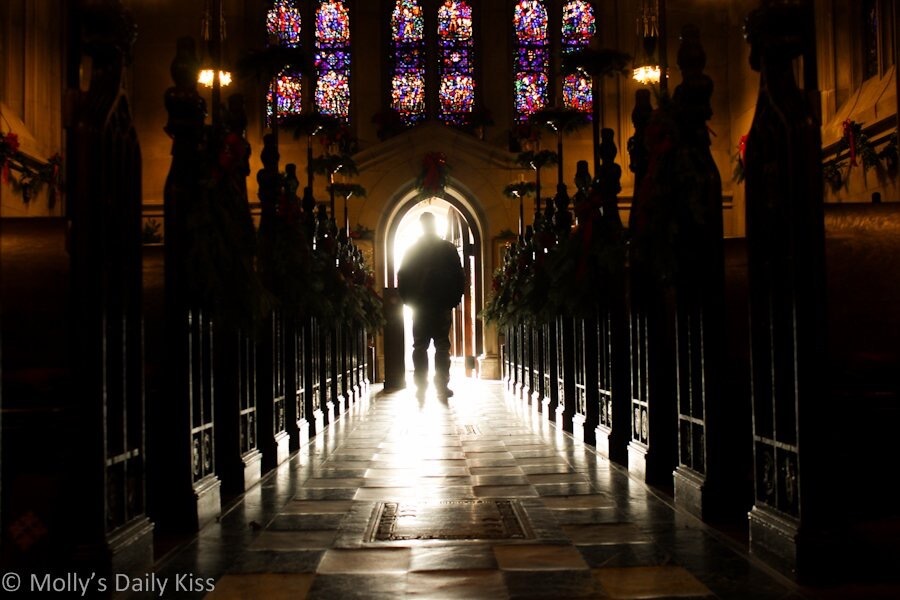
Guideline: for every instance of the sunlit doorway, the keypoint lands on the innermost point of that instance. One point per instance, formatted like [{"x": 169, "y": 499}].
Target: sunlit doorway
[{"x": 452, "y": 226}]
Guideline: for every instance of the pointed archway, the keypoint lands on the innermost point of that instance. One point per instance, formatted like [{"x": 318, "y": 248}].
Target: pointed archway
[{"x": 459, "y": 222}]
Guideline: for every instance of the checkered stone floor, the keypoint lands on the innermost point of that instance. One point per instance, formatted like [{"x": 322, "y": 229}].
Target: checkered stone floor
[{"x": 474, "y": 498}]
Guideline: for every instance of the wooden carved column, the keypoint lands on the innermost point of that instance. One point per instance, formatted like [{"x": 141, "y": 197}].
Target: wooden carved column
[
  {"x": 703, "y": 459},
  {"x": 113, "y": 533},
  {"x": 300, "y": 357},
  {"x": 609, "y": 340},
  {"x": 275, "y": 341},
  {"x": 545, "y": 338},
  {"x": 566, "y": 349},
  {"x": 792, "y": 416},
  {"x": 237, "y": 452},
  {"x": 651, "y": 449},
  {"x": 184, "y": 431},
  {"x": 315, "y": 376}
]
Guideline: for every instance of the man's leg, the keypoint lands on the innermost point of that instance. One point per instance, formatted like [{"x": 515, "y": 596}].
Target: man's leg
[
  {"x": 421, "y": 339},
  {"x": 441, "y": 333}
]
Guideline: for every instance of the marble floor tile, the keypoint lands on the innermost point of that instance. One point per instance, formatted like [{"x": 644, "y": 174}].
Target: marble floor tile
[
  {"x": 272, "y": 586},
  {"x": 305, "y": 522},
  {"x": 385, "y": 493},
  {"x": 504, "y": 491},
  {"x": 466, "y": 556},
  {"x": 481, "y": 480},
  {"x": 624, "y": 555},
  {"x": 488, "y": 455},
  {"x": 579, "y": 501},
  {"x": 333, "y": 482},
  {"x": 278, "y": 561},
  {"x": 538, "y": 557},
  {"x": 462, "y": 585},
  {"x": 495, "y": 470},
  {"x": 550, "y": 585},
  {"x": 369, "y": 560},
  {"x": 558, "y": 467},
  {"x": 383, "y": 586},
  {"x": 563, "y": 489},
  {"x": 317, "y": 507},
  {"x": 556, "y": 478},
  {"x": 607, "y": 533},
  {"x": 666, "y": 581},
  {"x": 294, "y": 540},
  {"x": 491, "y": 462}
]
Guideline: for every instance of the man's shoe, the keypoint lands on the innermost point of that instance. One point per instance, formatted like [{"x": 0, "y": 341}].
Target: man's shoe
[{"x": 444, "y": 393}]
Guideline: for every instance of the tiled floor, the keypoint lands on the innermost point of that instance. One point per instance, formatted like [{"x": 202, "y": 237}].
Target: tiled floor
[{"x": 471, "y": 499}]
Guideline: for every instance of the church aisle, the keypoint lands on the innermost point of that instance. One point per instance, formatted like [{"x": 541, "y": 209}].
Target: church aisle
[{"x": 471, "y": 499}]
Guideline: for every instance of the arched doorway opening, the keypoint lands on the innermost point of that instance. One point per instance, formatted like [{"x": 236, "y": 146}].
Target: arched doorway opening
[{"x": 456, "y": 221}]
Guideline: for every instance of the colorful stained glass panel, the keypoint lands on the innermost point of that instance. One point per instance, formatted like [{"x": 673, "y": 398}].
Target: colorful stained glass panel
[
  {"x": 408, "y": 56},
  {"x": 578, "y": 27},
  {"x": 333, "y": 24},
  {"x": 532, "y": 57},
  {"x": 408, "y": 95},
  {"x": 457, "y": 83},
  {"x": 289, "y": 95},
  {"x": 332, "y": 62},
  {"x": 454, "y": 21},
  {"x": 578, "y": 93},
  {"x": 531, "y": 93},
  {"x": 283, "y": 22},
  {"x": 333, "y": 94},
  {"x": 457, "y": 94},
  {"x": 407, "y": 22},
  {"x": 530, "y": 21}
]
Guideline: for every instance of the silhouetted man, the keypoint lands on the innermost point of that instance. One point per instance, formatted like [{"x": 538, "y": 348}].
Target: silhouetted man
[{"x": 431, "y": 282}]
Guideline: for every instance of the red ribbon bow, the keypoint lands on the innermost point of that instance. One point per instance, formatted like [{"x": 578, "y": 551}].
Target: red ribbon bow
[{"x": 851, "y": 140}]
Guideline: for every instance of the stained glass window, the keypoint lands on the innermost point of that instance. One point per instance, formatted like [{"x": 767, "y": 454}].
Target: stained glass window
[
  {"x": 532, "y": 57},
  {"x": 408, "y": 54},
  {"x": 283, "y": 22},
  {"x": 285, "y": 94},
  {"x": 333, "y": 59},
  {"x": 578, "y": 27},
  {"x": 288, "y": 89},
  {"x": 455, "y": 45}
]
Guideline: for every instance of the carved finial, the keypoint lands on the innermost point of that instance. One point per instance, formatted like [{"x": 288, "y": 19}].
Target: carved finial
[
  {"x": 562, "y": 219},
  {"x": 582, "y": 176},
  {"x": 692, "y": 97},
  {"x": 609, "y": 178},
  {"x": 291, "y": 183},
  {"x": 637, "y": 147}
]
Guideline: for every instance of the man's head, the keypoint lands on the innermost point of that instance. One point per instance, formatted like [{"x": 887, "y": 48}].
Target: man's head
[{"x": 428, "y": 225}]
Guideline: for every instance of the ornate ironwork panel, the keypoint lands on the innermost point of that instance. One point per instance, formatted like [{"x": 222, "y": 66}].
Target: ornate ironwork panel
[
  {"x": 605, "y": 368},
  {"x": 315, "y": 371},
  {"x": 247, "y": 393},
  {"x": 279, "y": 374},
  {"x": 548, "y": 351},
  {"x": 200, "y": 377},
  {"x": 579, "y": 370},
  {"x": 301, "y": 356},
  {"x": 640, "y": 381}
]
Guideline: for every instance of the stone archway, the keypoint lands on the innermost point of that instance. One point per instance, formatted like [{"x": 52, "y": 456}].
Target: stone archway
[
  {"x": 458, "y": 212},
  {"x": 477, "y": 174}
]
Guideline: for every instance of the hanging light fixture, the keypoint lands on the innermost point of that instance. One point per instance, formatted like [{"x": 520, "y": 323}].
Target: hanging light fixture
[
  {"x": 207, "y": 73},
  {"x": 647, "y": 68}
]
